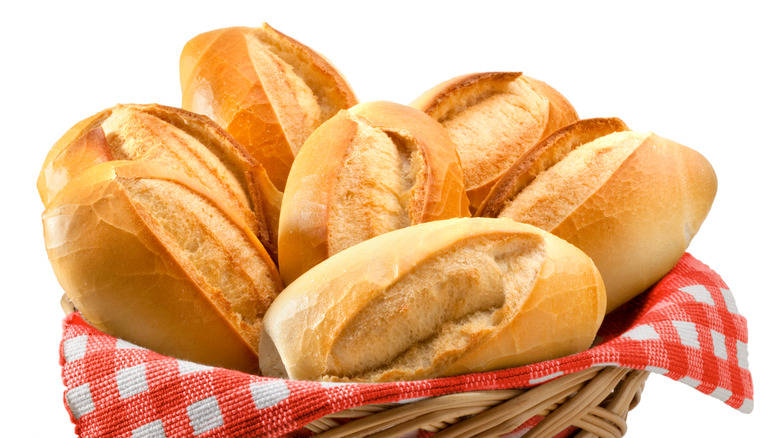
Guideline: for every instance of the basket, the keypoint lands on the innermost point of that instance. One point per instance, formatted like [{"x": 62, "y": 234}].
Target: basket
[
  {"x": 686, "y": 328},
  {"x": 595, "y": 401}
]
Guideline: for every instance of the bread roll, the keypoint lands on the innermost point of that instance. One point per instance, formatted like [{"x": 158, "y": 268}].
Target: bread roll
[
  {"x": 374, "y": 168},
  {"x": 179, "y": 139},
  {"x": 443, "y": 298},
  {"x": 632, "y": 201},
  {"x": 268, "y": 90},
  {"x": 494, "y": 118},
  {"x": 147, "y": 254}
]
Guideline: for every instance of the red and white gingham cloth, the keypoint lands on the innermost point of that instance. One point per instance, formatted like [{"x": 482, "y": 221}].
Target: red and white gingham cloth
[{"x": 686, "y": 328}]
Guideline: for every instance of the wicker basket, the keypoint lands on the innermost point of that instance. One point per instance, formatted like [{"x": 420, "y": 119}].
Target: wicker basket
[{"x": 595, "y": 402}]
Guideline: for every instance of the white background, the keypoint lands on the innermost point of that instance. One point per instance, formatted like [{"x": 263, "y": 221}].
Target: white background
[{"x": 704, "y": 75}]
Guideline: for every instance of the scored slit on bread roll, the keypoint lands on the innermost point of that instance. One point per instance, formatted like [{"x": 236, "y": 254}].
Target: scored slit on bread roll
[
  {"x": 374, "y": 168},
  {"x": 632, "y": 201},
  {"x": 493, "y": 118},
  {"x": 436, "y": 299},
  {"x": 147, "y": 254},
  {"x": 266, "y": 89},
  {"x": 179, "y": 139}
]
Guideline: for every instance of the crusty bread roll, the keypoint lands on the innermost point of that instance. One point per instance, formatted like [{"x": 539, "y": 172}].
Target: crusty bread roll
[
  {"x": 179, "y": 139},
  {"x": 632, "y": 201},
  {"x": 494, "y": 118},
  {"x": 442, "y": 298},
  {"x": 149, "y": 255},
  {"x": 374, "y": 168},
  {"x": 268, "y": 90}
]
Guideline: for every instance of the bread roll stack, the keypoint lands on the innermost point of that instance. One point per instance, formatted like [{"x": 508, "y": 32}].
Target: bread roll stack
[
  {"x": 374, "y": 168},
  {"x": 436, "y": 299},
  {"x": 165, "y": 227},
  {"x": 632, "y": 201},
  {"x": 493, "y": 118},
  {"x": 266, "y": 89}
]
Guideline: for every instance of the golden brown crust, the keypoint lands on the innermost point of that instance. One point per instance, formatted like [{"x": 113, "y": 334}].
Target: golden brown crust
[
  {"x": 117, "y": 252},
  {"x": 543, "y": 156},
  {"x": 324, "y": 325},
  {"x": 443, "y": 193},
  {"x": 304, "y": 214},
  {"x": 262, "y": 86},
  {"x": 393, "y": 162},
  {"x": 639, "y": 224},
  {"x": 561, "y": 112},
  {"x": 493, "y": 118},
  {"x": 334, "y": 92},
  {"x": 61, "y": 166},
  {"x": 183, "y": 140},
  {"x": 441, "y": 101},
  {"x": 66, "y": 161},
  {"x": 634, "y": 216}
]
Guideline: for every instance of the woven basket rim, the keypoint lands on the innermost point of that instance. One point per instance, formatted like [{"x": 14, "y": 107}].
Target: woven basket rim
[{"x": 593, "y": 402}]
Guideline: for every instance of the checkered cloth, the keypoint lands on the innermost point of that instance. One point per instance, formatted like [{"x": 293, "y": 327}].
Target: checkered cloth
[{"x": 686, "y": 328}]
